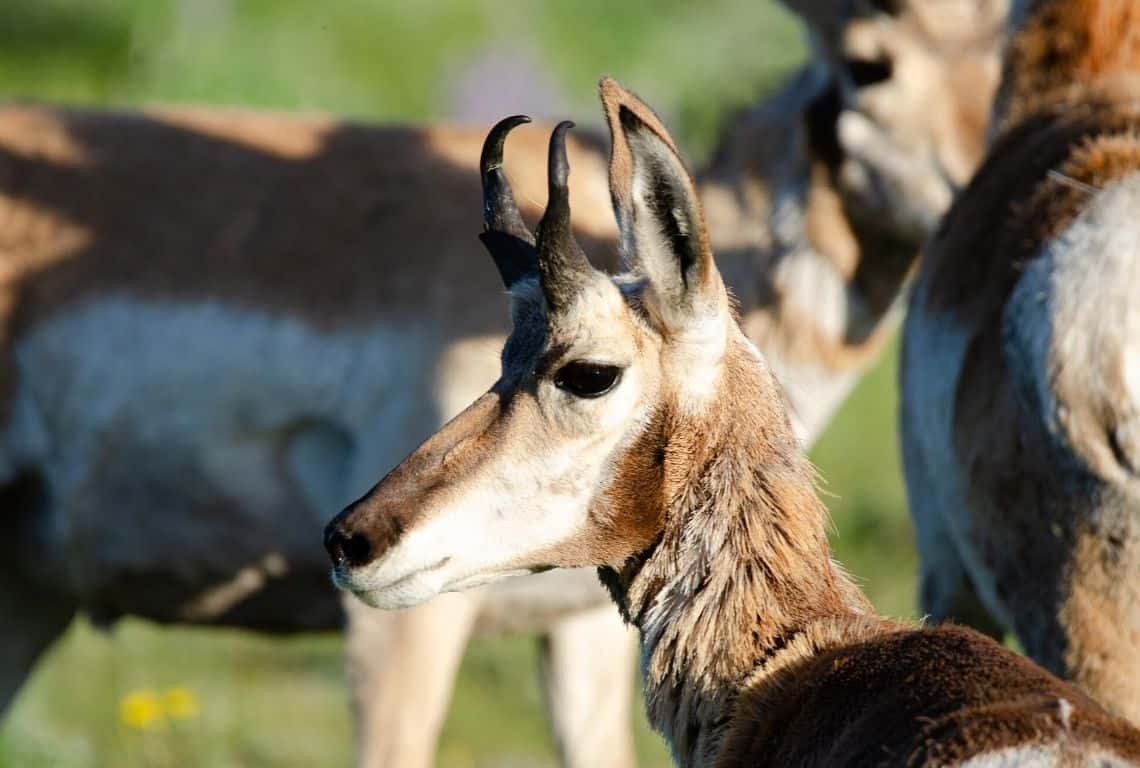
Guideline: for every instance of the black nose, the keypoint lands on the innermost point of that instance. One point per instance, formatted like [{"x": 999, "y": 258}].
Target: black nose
[{"x": 346, "y": 547}]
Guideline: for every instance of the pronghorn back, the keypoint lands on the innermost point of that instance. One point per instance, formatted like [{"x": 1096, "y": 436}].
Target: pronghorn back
[
  {"x": 945, "y": 696},
  {"x": 198, "y": 288},
  {"x": 1021, "y": 407},
  {"x": 72, "y": 182}
]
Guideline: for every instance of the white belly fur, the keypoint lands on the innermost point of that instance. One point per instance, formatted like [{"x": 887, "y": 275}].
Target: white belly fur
[{"x": 196, "y": 440}]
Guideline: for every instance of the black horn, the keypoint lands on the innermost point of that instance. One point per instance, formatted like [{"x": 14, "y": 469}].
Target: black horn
[
  {"x": 505, "y": 235},
  {"x": 562, "y": 264}
]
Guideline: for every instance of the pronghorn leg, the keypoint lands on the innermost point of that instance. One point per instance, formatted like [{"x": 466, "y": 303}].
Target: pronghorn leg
[
  {"x": 33, "y": 612},
  {"x": 401, "y": 667},
  {"x": 952, "y": 597},
  {"x": 947, "y": 592},
  {"x": 586, "y": 662},
  {"x": 32, "y": 620},
  {"x": 946, "y": 589}
]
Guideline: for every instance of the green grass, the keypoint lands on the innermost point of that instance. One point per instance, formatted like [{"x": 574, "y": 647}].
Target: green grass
[
  {"x": 858, "y": 457},
  {"x": 273, "y": 702}
]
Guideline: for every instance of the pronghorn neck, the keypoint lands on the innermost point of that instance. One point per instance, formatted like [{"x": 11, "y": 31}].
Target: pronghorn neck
[
  {"x": 1065, "y": 50},
  {"x": 741, "y": 570},
  {"x": 817, "y": 281}
]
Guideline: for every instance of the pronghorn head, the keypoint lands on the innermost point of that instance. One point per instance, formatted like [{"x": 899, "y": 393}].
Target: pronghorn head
[
  {"x": 561, "y": 463},
  {"x": 924, "y": 74}
]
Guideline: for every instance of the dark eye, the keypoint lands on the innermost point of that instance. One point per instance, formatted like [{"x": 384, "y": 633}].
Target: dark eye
[{"x": 583, "y": 379}]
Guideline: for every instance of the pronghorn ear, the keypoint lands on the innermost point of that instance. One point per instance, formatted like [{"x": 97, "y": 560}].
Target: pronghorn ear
[{"x": 659, "y": 216}]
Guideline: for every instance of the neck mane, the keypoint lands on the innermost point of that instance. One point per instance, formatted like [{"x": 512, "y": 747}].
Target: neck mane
[{"x": 741, "y": 580}]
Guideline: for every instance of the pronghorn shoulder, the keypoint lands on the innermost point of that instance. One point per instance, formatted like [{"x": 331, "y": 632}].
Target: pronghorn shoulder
[{"x": 1034, "y": 182}]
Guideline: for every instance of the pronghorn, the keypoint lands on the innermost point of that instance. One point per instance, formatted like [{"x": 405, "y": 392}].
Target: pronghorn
[
  {"x": 911, "y": 62},
  {"x": 191, "y": 293},
  {"x": 1021, "y": 362},
  {"x": 636, "y": 428}
]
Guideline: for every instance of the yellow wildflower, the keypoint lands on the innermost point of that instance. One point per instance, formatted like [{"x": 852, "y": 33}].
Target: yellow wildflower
[
  {"x": 180, "y": 703},
  {"x": 141, "y": 708}
]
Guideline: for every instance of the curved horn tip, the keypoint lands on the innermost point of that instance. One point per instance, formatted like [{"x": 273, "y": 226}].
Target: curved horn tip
[
  {"x": 558, "y": 166},
  {"x": 492, "y": 155}
]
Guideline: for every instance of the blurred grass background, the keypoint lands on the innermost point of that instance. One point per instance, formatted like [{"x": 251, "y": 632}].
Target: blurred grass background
[{"x": 274, "y": 702}]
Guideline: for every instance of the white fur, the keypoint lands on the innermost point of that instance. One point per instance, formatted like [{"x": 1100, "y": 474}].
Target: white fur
[
  {"x": 1132, "y": 374},
  {"x": 1025, "y": 756},
  {"x": 694, "y": 361},
  {"x": 529, "y": 497},
  {"x": 812, "y": 288},
  {"x": 1075, "y": 314},
  {"x": 697, "y": 331},
  {"x": 146, "y": 413},
  {"x": 1048, "y": 755},
  {"x": 507, "y": 511}
]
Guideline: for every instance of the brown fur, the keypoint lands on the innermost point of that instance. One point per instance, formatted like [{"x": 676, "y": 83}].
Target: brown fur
[
  {"x": 944, "y": 59},
  {"x": 628, "y": 521},
  {"x": 733, "y": 474},
  {"x": 72, "y": 227},
  {"x": 1068, "y": 51},
  {"x": 873, "y": 262},
  {"x": 1049, "y": 514},
  {"x": 987, "y": 699},
  {"x": 778, "y": 659},
  {"x": 757, "y": 648},
  {"x": 322, "y": 222},
  {"x": 1015, "y": 203},
  {"x": 941, "y": 56},
  {"x": 70, "y": 182},
  {"x": 756, "y": 644},
  {"x": 456, "y": 451},
  {"x": 621, "y": 161}
]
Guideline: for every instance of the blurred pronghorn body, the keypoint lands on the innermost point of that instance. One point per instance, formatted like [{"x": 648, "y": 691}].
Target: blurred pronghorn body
[
  {"x": 636, "y": 428},
  {"x": 190, "y": 298},
  {"x": 1021, "y": 363}
]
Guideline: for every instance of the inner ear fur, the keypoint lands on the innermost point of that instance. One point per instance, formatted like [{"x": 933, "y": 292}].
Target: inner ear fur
[{"x": 663, "y": 234}]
